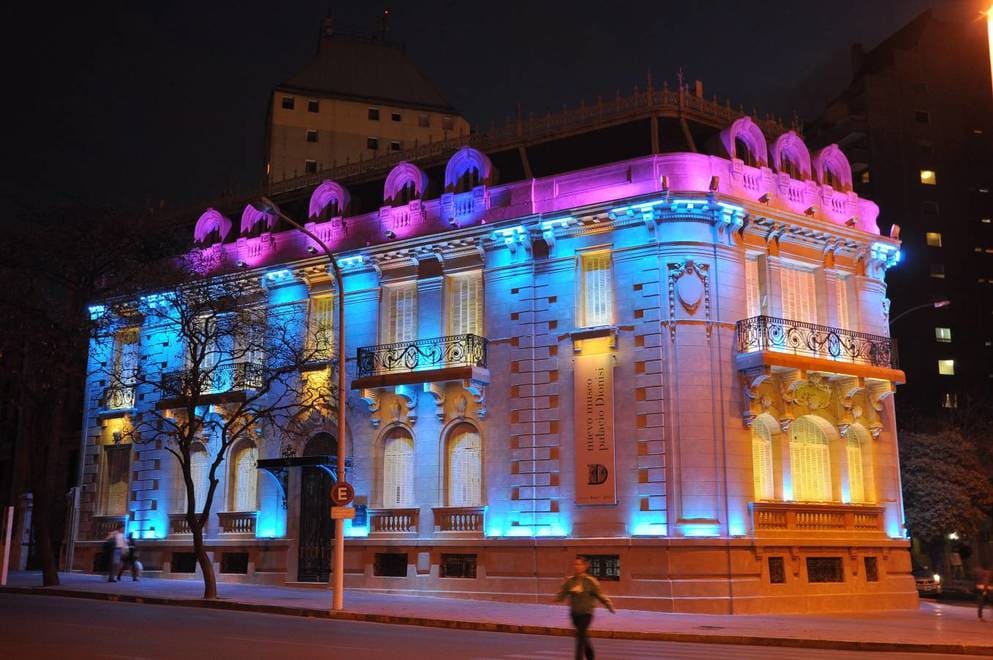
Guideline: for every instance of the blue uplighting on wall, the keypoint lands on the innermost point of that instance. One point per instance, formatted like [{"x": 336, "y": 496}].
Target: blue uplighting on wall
[
  {"x": 700, "y": 529},
  {"x": 888, "y": 254}
]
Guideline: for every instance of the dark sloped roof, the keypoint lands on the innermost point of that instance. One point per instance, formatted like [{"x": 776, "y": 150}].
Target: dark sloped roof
[{"x": 369, "y": 70}]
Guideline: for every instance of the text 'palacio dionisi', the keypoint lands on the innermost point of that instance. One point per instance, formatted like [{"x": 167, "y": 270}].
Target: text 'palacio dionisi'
[{"x": 653, "y": 331}]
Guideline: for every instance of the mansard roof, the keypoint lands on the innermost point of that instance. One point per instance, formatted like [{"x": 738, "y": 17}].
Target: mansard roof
[{"x": 367, "y": 69}]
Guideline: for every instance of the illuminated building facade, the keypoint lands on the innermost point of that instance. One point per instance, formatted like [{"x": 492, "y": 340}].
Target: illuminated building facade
[{"x": 675, "y": 363}]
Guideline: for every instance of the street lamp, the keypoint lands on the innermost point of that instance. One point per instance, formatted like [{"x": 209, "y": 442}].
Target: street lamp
[
  {"x": 339, "y": 523},
  {"x": 937, "y": 304}
]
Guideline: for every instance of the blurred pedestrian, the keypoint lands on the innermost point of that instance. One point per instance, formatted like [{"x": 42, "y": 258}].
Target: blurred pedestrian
[
  {"x": 984, "y": 587},
  {"x": 582, "y": 590},
  {"x": 114, "y": 546},
  {"x": 130, "y": 560}
]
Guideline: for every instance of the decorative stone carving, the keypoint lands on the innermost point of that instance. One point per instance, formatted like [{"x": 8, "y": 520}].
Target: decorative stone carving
[
  {"x": 437, "y": 392},
  {"x": 689, "y": 283},
  {"x": 754, "y": 403}
]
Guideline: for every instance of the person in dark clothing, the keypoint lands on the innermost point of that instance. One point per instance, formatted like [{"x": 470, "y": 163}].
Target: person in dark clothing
[
  {"x": 984, "y": 588},
  {"x": 582, "y": 590},
  {"x": 130, "y": 559}
]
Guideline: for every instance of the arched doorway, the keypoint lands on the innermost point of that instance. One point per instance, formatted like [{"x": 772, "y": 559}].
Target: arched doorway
[{"x": 316, "y": 528}]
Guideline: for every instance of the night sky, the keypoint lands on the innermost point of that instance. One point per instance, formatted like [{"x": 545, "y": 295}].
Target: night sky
[{"x": 123, "y": 104}]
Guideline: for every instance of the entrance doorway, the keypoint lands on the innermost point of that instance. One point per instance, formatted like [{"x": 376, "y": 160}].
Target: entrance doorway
[{"x": 316, "y": 527}]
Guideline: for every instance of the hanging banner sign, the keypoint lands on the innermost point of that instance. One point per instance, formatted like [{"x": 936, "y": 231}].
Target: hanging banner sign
[{"x": 594, "y": 392}]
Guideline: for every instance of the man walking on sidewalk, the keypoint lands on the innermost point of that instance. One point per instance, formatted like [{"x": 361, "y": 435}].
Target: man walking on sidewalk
[{"x": 583, "y": 591}]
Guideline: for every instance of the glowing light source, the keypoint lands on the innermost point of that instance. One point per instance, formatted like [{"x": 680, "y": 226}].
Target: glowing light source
[
  {"x": 279, "y": 275},
  {"x": 888, "y": 254},
  {"x": 96, "y": 311}
]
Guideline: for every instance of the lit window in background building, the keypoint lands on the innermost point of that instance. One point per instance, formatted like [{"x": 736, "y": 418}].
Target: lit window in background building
[
  {"x": 938, "y": 271},
  {"x": 946, "y": 367},
  {"x": 929, "y": 178},
  {"x": 934, "y": 239},
  {"x": 943, "y": 335}
]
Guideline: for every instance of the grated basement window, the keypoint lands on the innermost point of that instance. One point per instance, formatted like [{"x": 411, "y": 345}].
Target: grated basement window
[
  {"x": 825, "y": 569},
  {"x": 390, "y": 564},
  {"x": 871, "y": 569},
  {"x": 184, "y": 562},
  {"x": 777, "y": 570},
  {"x": 458, "y": 566},
  {"x": 234, "y": 562},
  {"x": 605, "y": 567}
]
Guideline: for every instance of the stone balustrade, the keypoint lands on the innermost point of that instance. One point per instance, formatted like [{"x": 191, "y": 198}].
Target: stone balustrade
[
  {"x": 237, "y": 522},
  {"x": 393, "y": 521},
  {"x": 462, "y": 519},
  {"x": 802, "y": 518},
  {"x": 178, "y": 524}
]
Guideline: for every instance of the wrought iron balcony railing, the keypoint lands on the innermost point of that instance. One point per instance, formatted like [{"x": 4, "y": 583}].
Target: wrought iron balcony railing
[
  {"x": 435, "y": 353},
  {"x": 236, "y": 377},
  {"x": 118, "y": 397},
  {"x": 767, "y": 333}
]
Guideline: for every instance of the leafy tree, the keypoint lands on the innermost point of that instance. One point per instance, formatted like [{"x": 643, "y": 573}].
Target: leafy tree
[{"x": 240, "y": 376}]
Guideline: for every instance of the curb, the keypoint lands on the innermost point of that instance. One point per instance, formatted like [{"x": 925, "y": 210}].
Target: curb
[{"x": 740, "y": 640}]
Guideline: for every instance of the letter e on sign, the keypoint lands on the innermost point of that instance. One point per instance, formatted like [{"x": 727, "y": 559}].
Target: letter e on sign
[{"x": 342, "y": 493}]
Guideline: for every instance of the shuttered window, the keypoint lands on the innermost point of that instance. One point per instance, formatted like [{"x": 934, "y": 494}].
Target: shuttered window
[
  {"x": 597, "y": 291},
  {"x": 399, "y": 313},
  {"x": 464, "y": 467},
  {"x": 115, "y": 483},
  {"x": 127, "y": 356},
  {"x": 799, "y": 294},
  {"x": 860, "y": 473},
  {"x": 321, "y": 326},
  {"x": 841, "y": 300},
  {"x": 200, "y": 472},
  {"x": 398, "y": 469},
  {"x": 762, "y": 461},
  {"x": 810, "y": 460},
  {"x": 244, "y": 479},
  {"x": 753, "y": 300},
  {"x": 465, "y": 304}
]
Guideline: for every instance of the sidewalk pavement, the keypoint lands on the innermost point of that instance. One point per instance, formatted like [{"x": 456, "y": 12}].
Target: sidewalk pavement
[{"x": 933, "y": 628}]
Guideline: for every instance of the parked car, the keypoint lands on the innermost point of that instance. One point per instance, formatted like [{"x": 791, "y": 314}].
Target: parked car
[{"x": 928, "y": 582}]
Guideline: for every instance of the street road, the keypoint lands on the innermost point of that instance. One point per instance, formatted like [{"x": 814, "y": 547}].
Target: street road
[{"x": 51, "y": 627}]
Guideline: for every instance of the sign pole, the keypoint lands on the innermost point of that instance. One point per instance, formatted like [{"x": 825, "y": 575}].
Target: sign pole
[{"x": 8, "y": 527}]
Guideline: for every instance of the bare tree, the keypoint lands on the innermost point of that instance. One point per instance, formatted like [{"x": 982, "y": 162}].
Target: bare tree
[{"x": 236, "y": 374}]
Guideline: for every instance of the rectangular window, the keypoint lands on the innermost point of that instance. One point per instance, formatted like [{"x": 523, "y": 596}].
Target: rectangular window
[
  {"x": 799, "y": 294},
  {"x": 865, "y": 177},
  {"x": 605, "y": 567},
  {"x": 234, "y": 562},
  {"x": 183, "y": 562},
  {"x": 753, "y": 301},
  {"x": 950, "y": 400},
  {"x": 871, "y": 569},
  {"x": 311, "y": 135},
  {"x": 114, "y": 483},
  {"x": 946, "y": 367},
  {"x": 922, "y": 117},
  {"x": 321, "y": 326},
  {"x": 313, "y": 105},
  {"x": 373, "y": 114},
  {"x": 777, "y": 570},
  {"x": 933, "y": 239},
  {"x": 396, "y": 116},
  {"x": 825, "y": 569},
  {"x": 424, "y": 121},
  {"x": 938, "y": 271},
  {"x": 288, "y": 102},
  {"x": 372, "y": 143},
  {"x": 399, "y": 313},
  {"x": 841, "y": 302},
  {"x": 929, "y": 178},
  {"x": 447, "y": 123},
  {"x": 310, "y": 166},
  {"x": 457, "y": 566},
  {"x": 597, "y": 291},
  {"x": 465, "y": 304},
  {"x": 929, "y": 209},
  {"x": 390, "y": 564},
  {"x": 944, "y": 335},
  {"x": 394, "y": 146},
  {"x": 127, "y": 357}
]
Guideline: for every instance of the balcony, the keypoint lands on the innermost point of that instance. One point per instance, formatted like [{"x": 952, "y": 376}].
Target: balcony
[
  {"x": 769, "y": 341},
  {"x": 117, "y": 398},
  {"x": 460, "y": 520},
  {"x": 393, "y": 521},
  {"x": 104, "y": 525},
  {"x": 456, "y": 357},
  {"x": 237, "y": 522},
  {"x": 178, "y": 525},
  {"x": 798, "y": 519},
  {"x": 223, "y": 383}
]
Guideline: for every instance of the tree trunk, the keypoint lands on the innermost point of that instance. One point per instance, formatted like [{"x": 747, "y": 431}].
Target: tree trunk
[
  {"x": 42, "y": 522},
  {"x": 206, "y": 567},
  {"x": 44, "y": 467}
]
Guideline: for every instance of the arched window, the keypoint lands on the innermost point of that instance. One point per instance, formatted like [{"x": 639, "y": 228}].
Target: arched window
[
  {"x": 831, "y": 178},
  {"x": 398, "y": 469},
  {"x": 762, "y": 461},
  {"x": 465, "y": 467},
  {"x": 789, "y": 167},
  {"x": 407, "y": 193},
  {"x": 244, "y": 478},
  {"x": 742, "y": 152},
  {"x": 810, "y": 460},
  {"x": 859, "y": 451}
]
